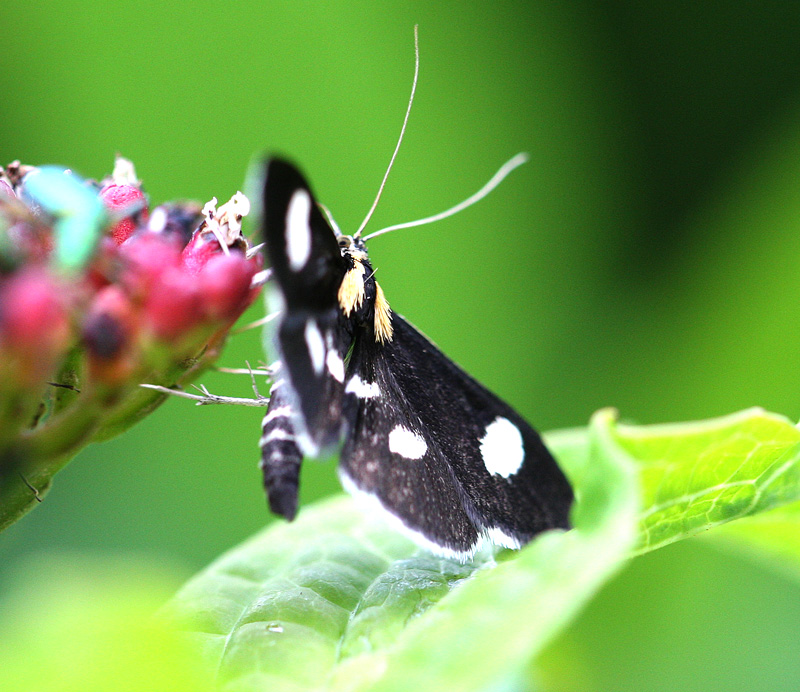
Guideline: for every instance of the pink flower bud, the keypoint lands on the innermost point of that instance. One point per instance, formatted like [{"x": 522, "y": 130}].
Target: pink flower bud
[
  {"x": 225, "y": 285},
  {"x": 220, "y": 232},
  {"x": 120, "y": 198},
  {"x": 173, "y": 305},
  {"x": 201, "y": 248},
  {"x": 144, "y": 258},
  {"x": 34, "y": 324}
]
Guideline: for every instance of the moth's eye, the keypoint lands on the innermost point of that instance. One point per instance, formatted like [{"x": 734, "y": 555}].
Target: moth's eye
[{"x": 344, "y": 242}]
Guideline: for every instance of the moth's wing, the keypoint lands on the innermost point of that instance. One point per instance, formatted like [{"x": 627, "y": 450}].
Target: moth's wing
[
  {"x": 417, "y": 486},
  {"x": 301, "y": 247},
  {"x": 443, "y": 454},
  {"x": 308, "y": 268}
]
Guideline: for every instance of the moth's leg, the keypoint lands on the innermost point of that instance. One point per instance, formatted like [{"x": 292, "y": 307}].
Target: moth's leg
[{"x": 280, "y": 456}]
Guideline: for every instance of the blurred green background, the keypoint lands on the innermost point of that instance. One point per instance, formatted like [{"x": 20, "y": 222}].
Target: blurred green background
[{"x": 647, "y": 257}]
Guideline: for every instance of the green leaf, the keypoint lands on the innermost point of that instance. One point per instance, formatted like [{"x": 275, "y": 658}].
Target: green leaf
[
  {"x": 772, "y": 538},
  {"x": 698, "y": 475},
  {"x": 339, "y": 600},
  {"x": 276, "y": 608}
]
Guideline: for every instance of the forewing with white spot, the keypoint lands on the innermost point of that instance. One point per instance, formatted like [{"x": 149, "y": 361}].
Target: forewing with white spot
[
  {"x": 300, "y": 245},
  {"x": 308, "y": 268},
  {"x": 407, "y": 443},
  {"x": 502, "y": 448},
  {"x": 298, "y": 230},
  {"x": 443, "y": 454},
  {"x": 313, "y": 353},
  {"x": 386, "y": 457}
]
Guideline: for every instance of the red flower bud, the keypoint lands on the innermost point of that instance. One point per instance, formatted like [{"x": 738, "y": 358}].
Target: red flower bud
[
  {"x": 119, "y": 198},
  {"x": 201, "y": 248},
  {"x": 145, "y": 258},
  {"x": 225, "y": 285},
  {"x": 220, "y": 233},
  {"x": 173, "y": 305},
  {"x": 34, "y": 325}
]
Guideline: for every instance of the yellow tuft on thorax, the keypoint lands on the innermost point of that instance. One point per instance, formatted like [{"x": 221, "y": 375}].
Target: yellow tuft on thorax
[
  {"x": 351, "y": 296},
  {"x": 351, "y": 292},
  {"x": 383, "y": 316}
]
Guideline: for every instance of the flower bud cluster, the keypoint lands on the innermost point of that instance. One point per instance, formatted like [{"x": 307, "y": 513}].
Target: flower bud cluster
[{"x": 98, "y": 294}]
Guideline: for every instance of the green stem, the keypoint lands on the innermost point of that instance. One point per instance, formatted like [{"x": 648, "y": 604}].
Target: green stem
[
  {"x": 39, "y": 454},
  {"x": 28, "y": 464}
]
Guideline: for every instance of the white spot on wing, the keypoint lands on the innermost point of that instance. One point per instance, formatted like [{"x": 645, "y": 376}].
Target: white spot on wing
[
  {"x": 501, "y": 448},
  {"x": 363, "y": 390},
  {"x": 407, "y": 443},
  {"x": 298, "y": 232},
  {"x": 335, "y": 365},
  {"x": 315, "y": 345}
]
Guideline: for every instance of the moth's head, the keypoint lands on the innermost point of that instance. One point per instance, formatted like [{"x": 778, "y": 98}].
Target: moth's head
[{"x": 353, "y": 246}]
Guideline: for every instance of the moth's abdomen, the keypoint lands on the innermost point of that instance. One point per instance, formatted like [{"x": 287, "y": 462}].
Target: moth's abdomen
[{"x": 280, "y": 456}]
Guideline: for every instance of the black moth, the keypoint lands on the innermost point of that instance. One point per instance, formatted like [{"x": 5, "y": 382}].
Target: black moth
[{"x": 455, "y": 464}]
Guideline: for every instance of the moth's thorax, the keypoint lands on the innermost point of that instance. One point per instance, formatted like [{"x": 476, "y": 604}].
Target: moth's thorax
[{"x": 360, "y": 296}]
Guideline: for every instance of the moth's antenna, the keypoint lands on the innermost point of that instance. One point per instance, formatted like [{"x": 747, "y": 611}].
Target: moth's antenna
[
  {"x": 496, "y": 179},
  {"x": 331, "y": 220},
  {"x": 402, "y": 132}
]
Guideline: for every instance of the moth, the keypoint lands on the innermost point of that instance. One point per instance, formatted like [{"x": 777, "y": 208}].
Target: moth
[{"x": 417, "y": 435}]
